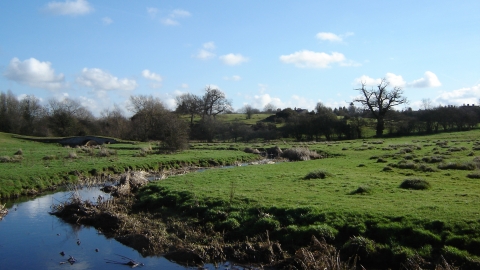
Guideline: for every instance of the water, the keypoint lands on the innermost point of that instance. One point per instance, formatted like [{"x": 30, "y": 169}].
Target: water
[{"x": 30, "y": 238}]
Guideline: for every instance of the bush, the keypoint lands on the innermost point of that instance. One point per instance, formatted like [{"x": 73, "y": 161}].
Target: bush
[
  {"x": 318, "y": 174},
  {"x": 415, "y": 183},
  {"x": 300, "y": 154}
]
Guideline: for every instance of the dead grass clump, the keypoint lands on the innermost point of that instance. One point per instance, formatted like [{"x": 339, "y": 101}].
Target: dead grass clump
[
  {"x": 362, "y": 190},
  {"x": 248, "y": 150},
  {"x": 19, "y": 152},
  {"x": 318, "y": 174},
  {"x": 3, "y": 211},
  {"x": 50, "y": 157},
  {"x": 300, "y": 154},
  {"x": 468, "y": 166},
  {"x": 433, "y": 159},
  {"x": 456, "y": 149},
  {"x": 426, "y": 168},
  {"x": 72, "y": 155},
  {"x": 5, "y": 159},
  {"x": 387, "y": 169},
  {"x": 415, "y": 183},
  {"x": 406, "y": 165},
  {"x": 382, "y": 160},
  {"x": 474, "y": 175}
]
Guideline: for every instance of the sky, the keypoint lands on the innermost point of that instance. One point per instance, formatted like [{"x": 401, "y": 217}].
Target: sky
[{"x": 284, "y": 53}]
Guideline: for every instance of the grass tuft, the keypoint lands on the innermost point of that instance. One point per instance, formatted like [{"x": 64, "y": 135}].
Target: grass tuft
[
  {"x": 415, "y": 183},
  {"x": 300, "y": 154},
  {"x": 318, "y": 174},
  {"x": 362, "y": 190}
]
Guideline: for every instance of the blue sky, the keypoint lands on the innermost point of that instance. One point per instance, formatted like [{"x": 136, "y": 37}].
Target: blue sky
[{"x": 287, "y": 53}]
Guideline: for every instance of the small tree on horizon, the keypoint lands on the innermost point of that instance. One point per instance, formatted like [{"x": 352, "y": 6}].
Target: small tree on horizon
[{"x": 379, "y": 101}]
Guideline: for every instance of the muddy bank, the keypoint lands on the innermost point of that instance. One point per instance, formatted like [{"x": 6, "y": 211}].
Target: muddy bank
[
  {"x": 188, "y": 241},
  {"x": 3, "y": 211}
]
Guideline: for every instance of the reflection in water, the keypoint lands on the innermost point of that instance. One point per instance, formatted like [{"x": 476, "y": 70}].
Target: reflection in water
[{"x": 30, "y": 238}]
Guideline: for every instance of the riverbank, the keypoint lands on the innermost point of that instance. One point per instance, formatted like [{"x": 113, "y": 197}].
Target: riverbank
[{"x": 30, "y": 167}]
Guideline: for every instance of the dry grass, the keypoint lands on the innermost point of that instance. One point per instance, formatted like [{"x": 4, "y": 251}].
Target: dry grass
[{"x": 300, "y": 154}]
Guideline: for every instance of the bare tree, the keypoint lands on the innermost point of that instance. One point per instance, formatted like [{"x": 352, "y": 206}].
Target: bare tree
[
  {"x": 215, "y": 102},
  {"x": 426, "y": 104},
  {"x": 379, "y": 101},
  {"x": 269, "y": 108}
]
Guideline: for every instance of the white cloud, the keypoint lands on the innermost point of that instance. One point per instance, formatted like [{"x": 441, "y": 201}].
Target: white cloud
[
  {"x": 233, "y": 59},
  {"x": 206, "y": 52},
  {"x": 233, "y": 78},
  {"x": 147, "y": 74},
  {"x": 392, "y": 79},
  {"x": 309, "y": 59},
  {"x": 466, "y": 95},
  {"x": 77, "y": 7},
  {"x": 184, "y": 85},
  {"x": 35, "y": 74},
  {"x": 107, "y": 20},
  {"x": 429, "y": 80},
  {"x": 172, "y": 18},
  {"x": 333, "y": 37},
  {"x": 329, "y": 36},
  {"x": 101, "y": 81},
  {"x": 259, "y": 102}
]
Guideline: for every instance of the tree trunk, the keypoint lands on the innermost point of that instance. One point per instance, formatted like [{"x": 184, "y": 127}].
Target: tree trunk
[{"x": 380, "y": 126}]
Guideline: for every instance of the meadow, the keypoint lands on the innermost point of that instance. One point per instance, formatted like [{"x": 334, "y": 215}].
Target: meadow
[
  {"x": 28, "y": 167},
  {"x": 386, "y": 200}
]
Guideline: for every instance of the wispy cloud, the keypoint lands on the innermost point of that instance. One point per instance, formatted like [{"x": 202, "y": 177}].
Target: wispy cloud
[
  {"x": 174, "y": 16},
  {"x": 327, "y": 36},
  {"x": 206, "y": 52},
  {"x": 73, "y": 8},
  {"x": 232, "y": 78},
  {"x": 107, "y": 20}
]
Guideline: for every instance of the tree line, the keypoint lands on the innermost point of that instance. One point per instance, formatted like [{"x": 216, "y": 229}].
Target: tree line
[{"x": 195, "y": 118}]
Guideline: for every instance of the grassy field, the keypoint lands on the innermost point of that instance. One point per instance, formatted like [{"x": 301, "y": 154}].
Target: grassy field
[
  {"x": 28, "y": 167},
  {"x": 358, "y": 202}
]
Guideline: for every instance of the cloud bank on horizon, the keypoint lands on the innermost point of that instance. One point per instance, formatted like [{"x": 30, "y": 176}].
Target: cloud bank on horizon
[{"x": 101, "y": 53}]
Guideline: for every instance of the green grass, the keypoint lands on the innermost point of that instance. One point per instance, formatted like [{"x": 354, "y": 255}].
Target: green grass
[
  {"x": 360, "y": 199},
  {"x": 43, "y": 165}
]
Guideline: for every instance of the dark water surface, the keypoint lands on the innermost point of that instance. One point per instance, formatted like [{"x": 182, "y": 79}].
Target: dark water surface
[{"x": 30, "y": 238}]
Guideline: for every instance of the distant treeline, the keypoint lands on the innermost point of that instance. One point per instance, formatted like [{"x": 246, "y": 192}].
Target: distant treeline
[{"x": 152, "y": 121}]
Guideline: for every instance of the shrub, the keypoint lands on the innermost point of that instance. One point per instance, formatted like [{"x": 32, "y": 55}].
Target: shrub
[
  {"x": 415, "y": 183},
  {"x": 318, "y": 174},
  {"x": 300, "y": 154}
]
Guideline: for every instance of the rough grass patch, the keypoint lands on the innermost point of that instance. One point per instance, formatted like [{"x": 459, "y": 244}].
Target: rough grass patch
[
  {"x": 300, "y": 154},
  {"x": 72, "y": 155},
  {"x": 468, "y": 166},
  {"x": 474, "y": 175},
  {"x": 318, "y": 174},
  {"x": 415, "y": 183},
  {"x": 19, "y": 152},
  {"x": 362, "y": 190}
]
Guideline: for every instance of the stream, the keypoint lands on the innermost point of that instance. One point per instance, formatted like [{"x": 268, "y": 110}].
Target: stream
[{"x": 31, "y": 238}]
